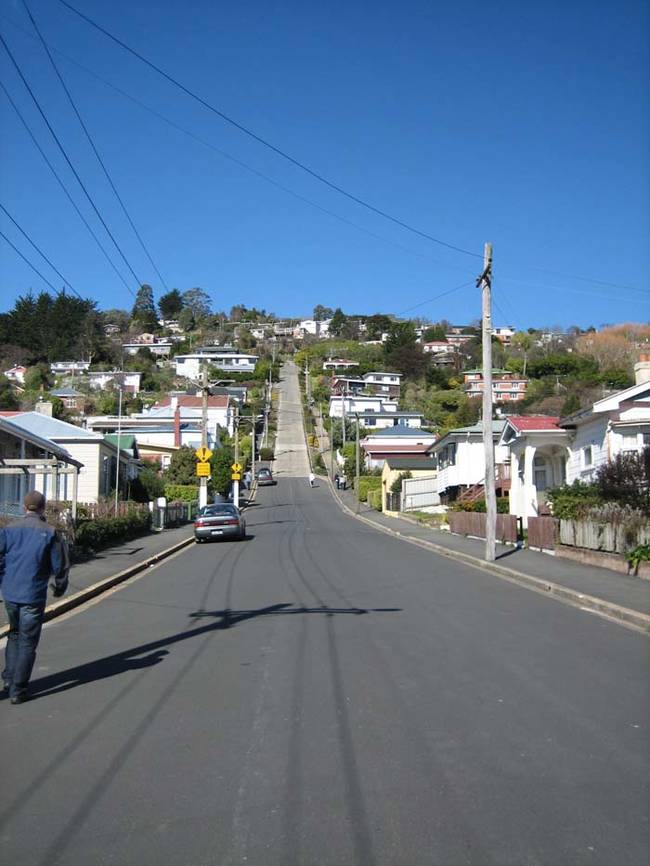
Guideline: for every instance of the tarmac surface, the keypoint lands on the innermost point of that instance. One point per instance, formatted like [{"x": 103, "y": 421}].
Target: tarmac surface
[{"x": 324, "y": 693}]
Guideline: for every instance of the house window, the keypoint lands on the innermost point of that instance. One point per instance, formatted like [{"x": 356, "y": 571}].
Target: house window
[
  {"x": 646, "y": 439},
  {"x": 539, "y": 472},
  {"x": 588, "y": 456},
  {"x": 369, "y": 422},
  {"x": 629, "y": 441}
]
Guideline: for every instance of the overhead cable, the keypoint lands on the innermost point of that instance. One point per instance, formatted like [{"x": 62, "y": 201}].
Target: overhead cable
[
  {"x": 39, "y": 251},
  {"x": 92, "y": 144},
  {"x": 32, "y": 266},
  {"x": 68, "y": 160},
  {"x": 63, "y": 186},
  {"x": 258, "y": 138}
]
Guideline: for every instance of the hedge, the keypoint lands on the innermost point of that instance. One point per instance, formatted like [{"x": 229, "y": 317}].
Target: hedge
[
  {"x": 374, "y": 499},
  {"x": 181, "y": 492},
  {"x": 366, "y": 484},
  {"x": 105, "y": 531},
  {"x": 266, "y": 454}
]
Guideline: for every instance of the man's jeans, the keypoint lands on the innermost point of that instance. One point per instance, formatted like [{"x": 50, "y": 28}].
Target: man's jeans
[{"x": 25, "y": 622}]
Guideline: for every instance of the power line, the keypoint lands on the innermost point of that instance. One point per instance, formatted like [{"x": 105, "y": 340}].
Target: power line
[
  {"x": 92, "y": 144},
  {"x": 39, "y": 251},
  {"x": 25, "y": 259},
  {"x": 67, "y": 159},
  {"x": 63, "y": 186},
  {"x": 258, "y": 138},
  {"x": 436, "y": 297}
]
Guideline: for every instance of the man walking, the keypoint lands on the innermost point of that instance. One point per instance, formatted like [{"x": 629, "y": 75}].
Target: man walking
[
  {"x": 30, "y": 551},
  {"x": 312, "y": 479}
]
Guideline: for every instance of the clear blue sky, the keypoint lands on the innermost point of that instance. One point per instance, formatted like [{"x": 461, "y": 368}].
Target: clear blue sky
[{"x": 523, "y": 124}]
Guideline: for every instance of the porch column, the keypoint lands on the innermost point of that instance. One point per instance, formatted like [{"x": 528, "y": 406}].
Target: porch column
[
  {"x": 529, "y": 508},
  {"x": 75, "y": 488},
  {"x": 515, "y": 487}
]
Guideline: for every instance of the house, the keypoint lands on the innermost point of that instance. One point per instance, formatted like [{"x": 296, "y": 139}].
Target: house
[
  {"x": 506, "y": 386},
  {"x": 351, "y": 404},
  {"x": 387, "y": 384},
  {"x": 32, "y": 462},
  {"x": 16, "y": 374},
  {"x": 382, "y": 420},
  {"x": 171, "y": 325},
  {"x": 339, "y": 364},
  {"x": 100, "y": 380},
  {"x": 158, "y": 346},
  {"x": 504, "y": 335},
  {"x": 225, "y": 358},
  {"x": 415, "y": 467},
  {"x": 459, "y": 340},
  {"x": 619, "y": 423},
  {"x": 69, "y": 368},
  {"x": 313, "y": 328},
  {"x": 220, "y": 412},
  {"x": 396, "y": 441},
  {"x": 347, "y": 385},
  {"x": 438, "y": 347},
  {"x": 460, "y": 458},
  {"x": 71, "y": 399},
  {"x": 97, "y": 458},
  {"x": 538, "y": 456}
]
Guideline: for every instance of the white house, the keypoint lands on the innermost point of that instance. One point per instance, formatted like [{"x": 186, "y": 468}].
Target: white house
[
  {"x": 352, "y": 404},
  {"x": 538, "y": 456},
  {"x": 100, "y": 380},
  {"x": 396, "y": 441},
  {"x": 614, "y": 425},
  {"x": 460, "y": 458},
  {"x": 504, "y": 334},
  {"x": 339, "y": 364},
  {"x": 382, "y": 420},
  {"x": 438, "y": 347},
  {"x": 96, "y": 456},
  {"x": 227, "y": 359},
  {"x": 16, "y": 374},
  {"x": 160, "y": 347},
  {"x": 312, "y": 327},
  {"x": 383, "y": 383},
  {"x": 67, "y": 368}
]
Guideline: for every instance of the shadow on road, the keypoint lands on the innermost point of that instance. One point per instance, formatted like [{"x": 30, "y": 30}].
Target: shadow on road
[{"x": 150, "y": 654}]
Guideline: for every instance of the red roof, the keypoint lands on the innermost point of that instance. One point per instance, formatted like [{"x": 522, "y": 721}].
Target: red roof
[
  {"x": 534, "y": 423},
  {"x": 218, "y": 402}
]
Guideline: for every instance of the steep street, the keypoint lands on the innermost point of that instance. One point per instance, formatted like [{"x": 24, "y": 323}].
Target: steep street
[{"x": 322, "y": 693}]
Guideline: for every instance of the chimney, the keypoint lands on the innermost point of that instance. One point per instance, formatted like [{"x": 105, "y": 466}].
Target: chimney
[
  {"x": 642, "y": 369},
  {"x": 43, "y": 407},
  {"x": 173, "y": 402},
  {"x": 177, "y": 426}
]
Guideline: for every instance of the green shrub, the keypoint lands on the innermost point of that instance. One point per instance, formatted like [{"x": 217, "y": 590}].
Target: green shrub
[
  {"x": 503, "y": 506},
  {"x": 181, "y": 492},
  {"x": 104, "y": 531},
  {"x": 641, "y": 553},
  {"x": 368, "y": 483},
  {"x": 374, "y": 499},
  {"x": 573, "y": 501},
  {"x": 266, "y": 454}
]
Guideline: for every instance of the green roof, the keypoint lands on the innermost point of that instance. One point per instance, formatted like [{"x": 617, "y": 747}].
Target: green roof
[
  {"x": 410, "y": 463},
  {"x": 127, "y": 441}
]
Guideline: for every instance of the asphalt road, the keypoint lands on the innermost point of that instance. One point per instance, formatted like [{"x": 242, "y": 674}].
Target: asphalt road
[{"x": 324, "y": 694}]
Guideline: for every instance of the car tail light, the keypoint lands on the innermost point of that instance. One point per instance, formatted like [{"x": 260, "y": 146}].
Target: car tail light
[
  {"x": 199, "y": 523},
  {"x": 233, "y": 522}
]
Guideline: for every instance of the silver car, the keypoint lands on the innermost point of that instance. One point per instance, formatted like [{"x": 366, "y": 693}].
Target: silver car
[{"x": 220, "y": 520}]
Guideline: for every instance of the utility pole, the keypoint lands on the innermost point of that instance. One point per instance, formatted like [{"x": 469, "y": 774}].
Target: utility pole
[
  {"x": 356, "y": 480},
  {"x": 343, "y": 398},
  {"x": 203, "y": 482},
  {"x": 119, "y": 432},
  {"x": 331, "y": 448},
  {"x": 485, "y": 282},
  {"x": 235, "y": 484}
]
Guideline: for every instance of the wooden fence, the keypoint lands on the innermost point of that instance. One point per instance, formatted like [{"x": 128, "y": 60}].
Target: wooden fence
[
  {"x": 543, "y": 532},
  {"x": 473, "y": 523},
  {"x": 612, "y": 537}
]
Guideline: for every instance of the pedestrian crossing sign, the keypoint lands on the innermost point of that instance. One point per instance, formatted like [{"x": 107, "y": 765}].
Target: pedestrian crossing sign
[
  {"x": 203, "y": 453},
  {"x": 236, "y": 467}
]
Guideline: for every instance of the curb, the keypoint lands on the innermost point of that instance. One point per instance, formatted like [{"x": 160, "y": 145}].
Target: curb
[
  {"x": 58, "y": 608},
  {"x": 614, "y": 612}
]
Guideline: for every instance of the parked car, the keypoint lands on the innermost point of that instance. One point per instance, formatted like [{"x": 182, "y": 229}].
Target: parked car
[
  {"x": 221, "y": 520},
  {"x": 264, "y": 477}
]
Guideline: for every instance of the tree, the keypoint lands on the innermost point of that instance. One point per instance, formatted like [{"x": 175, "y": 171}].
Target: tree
[
  {"x": 198, "y": 301},
  {"x": 144, "y": 309},
  {"x": 186, "y": 319},
  {"x": 402, "y": 352},
  {"x": 38, "y": 378},
  {"x": 182, "y": 467},
  {"x": 170, "y": 304},
  {"x": 626, "y": 479},
  {"x": 221, "y": 461},
  {"x": 117, "y": 317},
  {"x": 524, "y": 342},
  {"x": 377, "y": 325},
  {"x": 321, "y": 313},
  {"x": 148, "y": 485},
  {"x": 435, "y": 332},
  {"x": 337, "y": 322},
  {"x": 8, "y": 399}
]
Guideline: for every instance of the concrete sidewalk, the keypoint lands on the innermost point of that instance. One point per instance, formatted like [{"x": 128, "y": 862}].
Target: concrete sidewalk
[
  {"x": 631, "y": 593},
  {"x": 114, "y": 559}
]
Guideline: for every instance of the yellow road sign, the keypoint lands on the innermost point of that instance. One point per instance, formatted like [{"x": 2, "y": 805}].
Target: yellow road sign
[
  {"x": 236, "y": 467},
  {"x": 203, "y": 470},
  {"x": 203, "y": 453},
  {"x": 236, "y": 476}
]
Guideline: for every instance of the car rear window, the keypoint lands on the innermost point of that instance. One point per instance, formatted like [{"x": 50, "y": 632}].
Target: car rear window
[{"x": 218, "y": 511}]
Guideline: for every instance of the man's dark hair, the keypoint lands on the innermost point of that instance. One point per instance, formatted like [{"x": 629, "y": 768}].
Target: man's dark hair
[{"x": 34, "y": 501}]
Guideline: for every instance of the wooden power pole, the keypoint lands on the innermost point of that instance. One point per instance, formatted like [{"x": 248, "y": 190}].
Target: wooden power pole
[
  {"x": 205, "y": 390},
  {"x": 485, "y": 282}
]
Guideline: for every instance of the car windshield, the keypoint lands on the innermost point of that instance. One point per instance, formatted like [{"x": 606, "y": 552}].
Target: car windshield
[
  {"x": 218, "y": 511},
  {"x": 264, "y": 472}
]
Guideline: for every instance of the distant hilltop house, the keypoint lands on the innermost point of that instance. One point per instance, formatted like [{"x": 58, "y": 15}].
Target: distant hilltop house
[
  {"x": 16, "y": 374},
  {"x": 68, "y": 368},
  {"x": 158, "y": 346},
  {"x": 506, "y": 386},
  {"x": 312, "y": 327},
  {"x": 339, "y": 364},
  {"x": 438, "y": 347},
  {"x": 126, "y": 380},
  {"x": 171, "y": 325},
  {"x": 223, "y": 357},
  {"x": 399, "y": 440}
]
